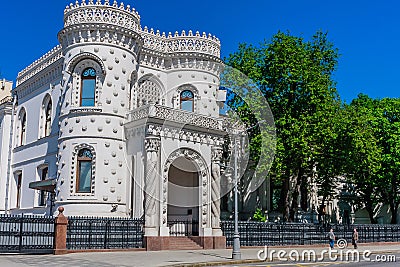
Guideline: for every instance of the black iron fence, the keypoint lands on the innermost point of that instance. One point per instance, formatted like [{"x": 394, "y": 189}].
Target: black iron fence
[
  {"x": 26, "y": 234},
  {"x": 183, "y": 228},
  {"x": 104, "y": 233},
  {"x": 272, "y": 234}
]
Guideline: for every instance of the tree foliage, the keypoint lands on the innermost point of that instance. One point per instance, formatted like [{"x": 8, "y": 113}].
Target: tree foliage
[
  {"x": 320, "y": 139},
  {"x": 295, "y": 77}
]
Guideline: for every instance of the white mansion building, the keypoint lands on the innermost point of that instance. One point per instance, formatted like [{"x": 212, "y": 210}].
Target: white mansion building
[{"x": 116, "y": 121}]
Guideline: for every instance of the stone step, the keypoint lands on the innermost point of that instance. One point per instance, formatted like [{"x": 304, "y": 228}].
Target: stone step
[{"x": 183, "y": 243}]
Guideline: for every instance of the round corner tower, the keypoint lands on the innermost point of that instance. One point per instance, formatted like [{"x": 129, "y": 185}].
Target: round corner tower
[{"x": 100, "y": 44}]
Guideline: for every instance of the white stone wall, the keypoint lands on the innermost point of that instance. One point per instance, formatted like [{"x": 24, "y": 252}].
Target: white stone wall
[
  {"x": 5, "y": 127},
  {"x": 37, "y": 150}
]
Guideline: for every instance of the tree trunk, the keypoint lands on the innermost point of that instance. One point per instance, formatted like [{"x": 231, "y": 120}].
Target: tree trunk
[
  {"x": 393, "y": 209},
  {"x": 321, "y": 210},
  {"x": 304, "y": 194},
  {"x": 370, "y": 209},
  {"x": 296, "y": 194},
  {"x": 284, "y": 198}
]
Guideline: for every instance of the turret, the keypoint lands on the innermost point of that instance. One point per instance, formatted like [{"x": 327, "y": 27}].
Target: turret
[{"x": 100, "y": 44}]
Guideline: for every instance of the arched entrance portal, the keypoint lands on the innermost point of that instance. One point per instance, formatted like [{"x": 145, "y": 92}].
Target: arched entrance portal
[{"x": 183, "y": 211}]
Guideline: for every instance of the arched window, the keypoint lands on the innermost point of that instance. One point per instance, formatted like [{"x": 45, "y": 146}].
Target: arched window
[
  {"x": 47, "y": 118},
  {"x": 187, "y": 100},
  {"x": 22, "y": 138},
  {"x": 148, "y": 92},
  {"x": 84, "y": 174},
  {"x": 88, "y": 87}
]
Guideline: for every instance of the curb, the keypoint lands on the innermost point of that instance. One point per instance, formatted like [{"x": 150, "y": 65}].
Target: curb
[
  {"x": 245, "y": 261},
  {"x": 214, "y": 263}
]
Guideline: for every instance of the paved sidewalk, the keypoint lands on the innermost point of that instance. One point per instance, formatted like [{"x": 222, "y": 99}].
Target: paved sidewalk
[{"x": 161, "y": 258}]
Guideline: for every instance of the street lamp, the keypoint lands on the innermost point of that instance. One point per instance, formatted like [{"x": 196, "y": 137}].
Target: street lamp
[{"x": 236, "y": 254}]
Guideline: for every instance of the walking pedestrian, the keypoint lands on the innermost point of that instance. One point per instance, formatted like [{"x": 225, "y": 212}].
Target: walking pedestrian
[
  {"x": 354, "y": 239},
  {"x": 331, "y": 237}
]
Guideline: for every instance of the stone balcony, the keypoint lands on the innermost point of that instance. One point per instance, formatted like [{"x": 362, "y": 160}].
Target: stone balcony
[{"x": 181, "y": 118}]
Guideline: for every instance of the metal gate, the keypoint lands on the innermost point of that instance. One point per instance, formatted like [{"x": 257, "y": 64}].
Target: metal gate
[
  {"x": 183, "y": 228},
  {"x": 26, "y": 234}
]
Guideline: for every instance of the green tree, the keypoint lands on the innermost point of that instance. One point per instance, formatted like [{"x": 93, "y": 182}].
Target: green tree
[
  {"x": 362, "y": 151},
  {"x": 295, "y": 76},
  {"x": 387, "y": 112}
]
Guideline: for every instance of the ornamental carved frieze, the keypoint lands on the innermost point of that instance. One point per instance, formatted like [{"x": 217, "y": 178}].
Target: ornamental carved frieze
[
  {"x": 97, "y": 12},
  {"x": 216, "y": 153},
  {"x": 178, "y": 43},
  {"x": 184, "y": 118},
  {"x": 152, "y": 144},
  {"x": 183, "y": 135}
]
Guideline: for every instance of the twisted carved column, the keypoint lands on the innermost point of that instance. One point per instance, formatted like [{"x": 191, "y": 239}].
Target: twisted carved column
[
  {"x": 152, "y": 185},
  {"x": 216, "y": 190}
]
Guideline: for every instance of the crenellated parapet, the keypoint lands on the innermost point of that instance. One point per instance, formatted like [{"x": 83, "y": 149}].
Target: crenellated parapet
[
  {"x": 92, "y": 11},
  {"x": 101, "y": 22},
  {"x": 181, "y": 43},
  {"x": 42, "y": 63}
]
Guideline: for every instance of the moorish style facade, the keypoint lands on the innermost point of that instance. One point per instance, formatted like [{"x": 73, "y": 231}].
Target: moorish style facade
[{"x": 118, "y": 120}]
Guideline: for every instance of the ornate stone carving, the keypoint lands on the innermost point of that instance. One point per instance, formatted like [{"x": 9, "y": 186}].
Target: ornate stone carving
[
  {"x": 71, "y": 65},
  {"x": 102, "y": 13},
  {"x": 216, "y": 153},
  {"x": 174, "y": 115},
  {"x": 205, "y": 44},
  {"x": 85, "y": 110},
  {"x": 152, "y": 144},
  {"x": 46, "y": 60},
  {"x": 148, "y": 92}
]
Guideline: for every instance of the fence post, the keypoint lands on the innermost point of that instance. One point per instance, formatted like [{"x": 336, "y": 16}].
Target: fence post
[{"x": 60, "y": 233}]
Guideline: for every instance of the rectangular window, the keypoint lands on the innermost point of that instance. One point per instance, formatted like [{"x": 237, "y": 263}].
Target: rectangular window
[
  {"x": 43, "y": 194},
  {"x": 88, "y": 88},
  {"x": 84, "y": 176},
  {"x": 187, "y": 105},
  {"x": 19, "y": 185}
]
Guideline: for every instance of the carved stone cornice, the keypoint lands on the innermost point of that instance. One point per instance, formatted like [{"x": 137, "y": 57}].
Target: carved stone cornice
[
  {"x": 48, "y": 76},
  {"x": 102, "y": 34},
  {"x": 42, "y": 63}
]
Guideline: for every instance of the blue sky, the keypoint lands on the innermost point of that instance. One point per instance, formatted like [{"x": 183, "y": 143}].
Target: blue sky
[{"x": 367, "y": 33}]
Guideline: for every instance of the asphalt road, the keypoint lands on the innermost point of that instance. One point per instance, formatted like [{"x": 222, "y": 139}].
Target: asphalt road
[{"x": 374, "y": 260}]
